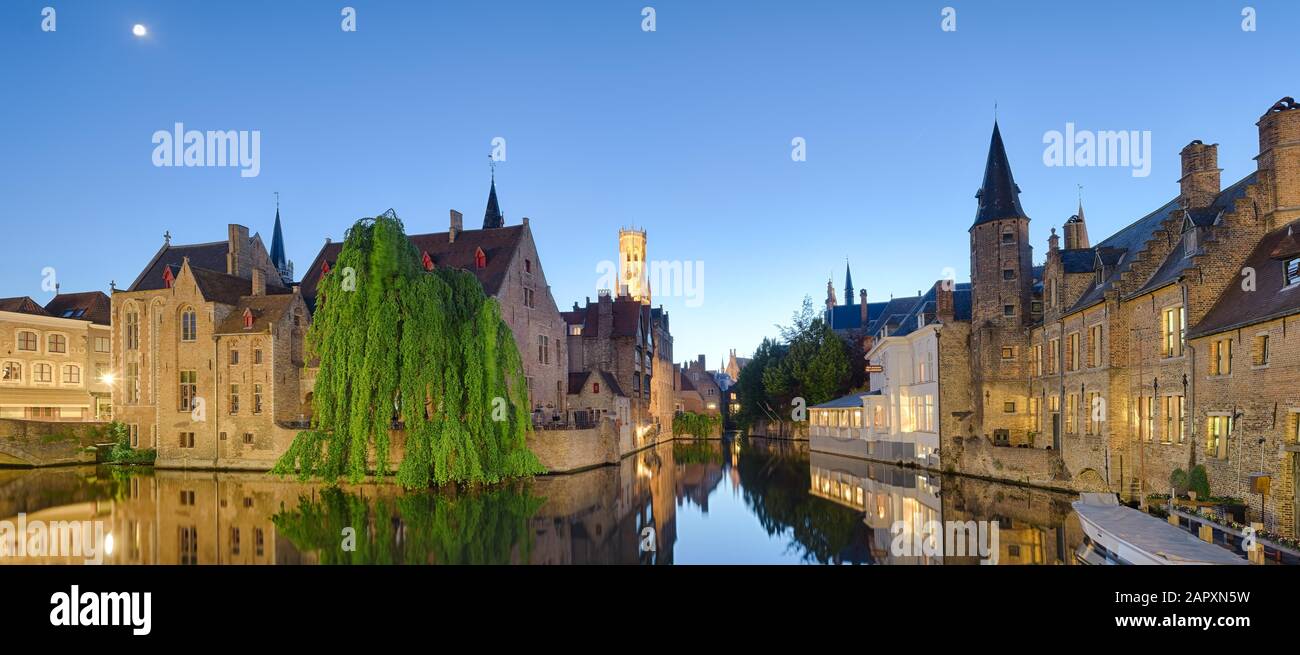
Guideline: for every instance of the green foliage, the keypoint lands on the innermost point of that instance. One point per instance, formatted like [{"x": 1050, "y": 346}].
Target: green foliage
[
  {"x": 1199, "y": 482},
  {"x": 1178, "y": 480},
  {"x": 691, "y": 424},
  {"x": 811, "y": 362},
  {"x": 122, "y": 452},
  {"x": 427, "y": 348},
  {"x": 486, "y": 526},
  {"x": 697, "y": 452}
]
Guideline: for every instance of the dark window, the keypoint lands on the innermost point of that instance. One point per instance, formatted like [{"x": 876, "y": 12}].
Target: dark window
[
  {"x": 1008, "y": 273},
  {"x": 1008, "y": 310},
  {"x": 1293, "y": 270}
]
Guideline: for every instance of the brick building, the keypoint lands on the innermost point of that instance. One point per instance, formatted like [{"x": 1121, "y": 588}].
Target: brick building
[
  {"x": 621, "y": 335},
  {"x": 208, "y": 344}
]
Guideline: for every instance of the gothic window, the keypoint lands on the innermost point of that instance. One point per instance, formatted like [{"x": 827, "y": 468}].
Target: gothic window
[
  {"x": 132, "y": 330},
  {"x": 189, "y": 324}
]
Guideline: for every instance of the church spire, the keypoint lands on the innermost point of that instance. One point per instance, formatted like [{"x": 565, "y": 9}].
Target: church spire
[
  {"x": 999, "y": 197},
  {"x": 848, "y": 283},
  {"x": 278, "y": 259},
  {"x": 492, "y": 218}
]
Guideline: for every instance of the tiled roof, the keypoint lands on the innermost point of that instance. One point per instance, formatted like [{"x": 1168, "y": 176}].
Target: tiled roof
[
  {"x": 211, "y": 256},
  {"x": 1078, "y": 260},
  {"x": 1269, "y": 299},
  {"x": 961, "y": 300},
  {"x": 849, "y": 317},
  {"x": 93, "y": 306},
  {"x": 893, "y": 313},
  {"x": 267, "y": 310},
  {"x": 22, "y": 305},
  {"x": 1175, "y": 263},
  {"x": 498, "y": 244}
]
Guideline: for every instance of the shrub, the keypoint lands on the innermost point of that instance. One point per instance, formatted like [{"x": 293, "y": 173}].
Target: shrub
[
  {"x": 122, "y": 452},
  {"x": 1178, "y": 480},
  {"x": 1199, "y": 482}
]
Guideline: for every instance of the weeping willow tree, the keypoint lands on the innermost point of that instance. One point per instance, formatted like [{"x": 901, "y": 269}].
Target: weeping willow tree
[{"x": 429, "y": 349}]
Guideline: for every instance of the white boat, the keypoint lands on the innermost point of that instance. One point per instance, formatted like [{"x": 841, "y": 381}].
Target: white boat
[{"x": 1122, "y": 535}]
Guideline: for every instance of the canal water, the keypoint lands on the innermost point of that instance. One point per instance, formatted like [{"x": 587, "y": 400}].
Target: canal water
[{"x": 739, "y": 500}]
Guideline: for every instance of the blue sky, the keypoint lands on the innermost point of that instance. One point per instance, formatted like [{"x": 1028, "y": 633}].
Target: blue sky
[{"x": 685, "y": 131}]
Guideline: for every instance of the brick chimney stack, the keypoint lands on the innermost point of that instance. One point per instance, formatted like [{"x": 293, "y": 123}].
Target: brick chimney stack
[
  {"x": 862, "y": 302},
  {"x": 259, "y": 282},
  {"x": 457, "y": 226},
  {"x": 1279, "y": 159},
  {"x": 944, "y": 309},
  {"x": 1200, "y": 181}
]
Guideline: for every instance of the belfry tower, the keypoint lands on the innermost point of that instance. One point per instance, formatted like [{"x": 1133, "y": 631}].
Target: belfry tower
[{"x": 633, "y": 272}]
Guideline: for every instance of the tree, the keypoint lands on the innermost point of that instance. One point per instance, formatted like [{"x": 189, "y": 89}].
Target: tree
[{"x": 429, "y": 349}]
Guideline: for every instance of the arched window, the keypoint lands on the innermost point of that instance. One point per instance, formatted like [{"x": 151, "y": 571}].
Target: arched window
[
  {"x": 189, "y": 324},
  {"x": 27, "y": 341},
  {"x": 11, "y": 372},
  {"x": 132, "y": 335},
  {"x": 71, "y": 374},
  {"x": 42, "y": 372},
  {"x": 57, "y": 343}
]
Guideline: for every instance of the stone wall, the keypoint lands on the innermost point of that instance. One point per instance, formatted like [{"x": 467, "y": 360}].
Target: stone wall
[{"x": 48, "y": 443}]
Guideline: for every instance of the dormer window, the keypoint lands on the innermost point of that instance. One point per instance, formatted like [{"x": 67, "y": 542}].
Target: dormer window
[
  {"x": 324, "y": 268},
  {"x": 248, "y": 319},
  {"x": 168, "y": 277},
  {"x": 480, "y": 258},
  {"x": 1189, "y": 242},
  {"x": 427, "y": 261},
  {"x": 1292, "y": 271}
]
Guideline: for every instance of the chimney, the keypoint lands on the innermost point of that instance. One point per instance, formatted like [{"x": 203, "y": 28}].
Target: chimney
[
  {"x": 943, "y": 303},
  {"x": 457, "y": 226},
  {"x": 1279, "y": 159},
  {"x": 1200, "y": 181},
  {"x": 238, "y": 259},
  {"x": 259, "y": 282},
  {"x": 862, "y": 298}
]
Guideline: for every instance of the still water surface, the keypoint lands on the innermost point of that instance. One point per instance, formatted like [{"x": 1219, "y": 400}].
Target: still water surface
[{"x": 738, "y": 500}]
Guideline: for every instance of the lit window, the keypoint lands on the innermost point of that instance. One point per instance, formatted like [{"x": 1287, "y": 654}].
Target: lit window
[
  {"x": 1216, "y": 436},
  {"x": 1173, "y": 327},
  {"x": 1221, "y": 357}
]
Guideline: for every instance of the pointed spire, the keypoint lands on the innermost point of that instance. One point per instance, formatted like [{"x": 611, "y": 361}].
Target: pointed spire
[
  {"x": 278, "y": 259},
  {"x": 999, "y": 197},
  {"x": 848, "y": 283},
  {"x": 492, "y": 218}
]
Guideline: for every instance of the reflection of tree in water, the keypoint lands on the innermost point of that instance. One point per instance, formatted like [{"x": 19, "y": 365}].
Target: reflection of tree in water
[
  {"x": 775, "y": 486},
  {"x": 487, "y": 526},
  {"x": 699, "y": 451}
]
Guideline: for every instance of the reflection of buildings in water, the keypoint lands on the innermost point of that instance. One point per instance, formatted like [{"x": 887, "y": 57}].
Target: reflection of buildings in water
[
  {"x": 695, "y": 481},
  {"x": 885, "y": 495},
  {"x": 1034, "y": 526},
  {"x": 607, "y": 515}
]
